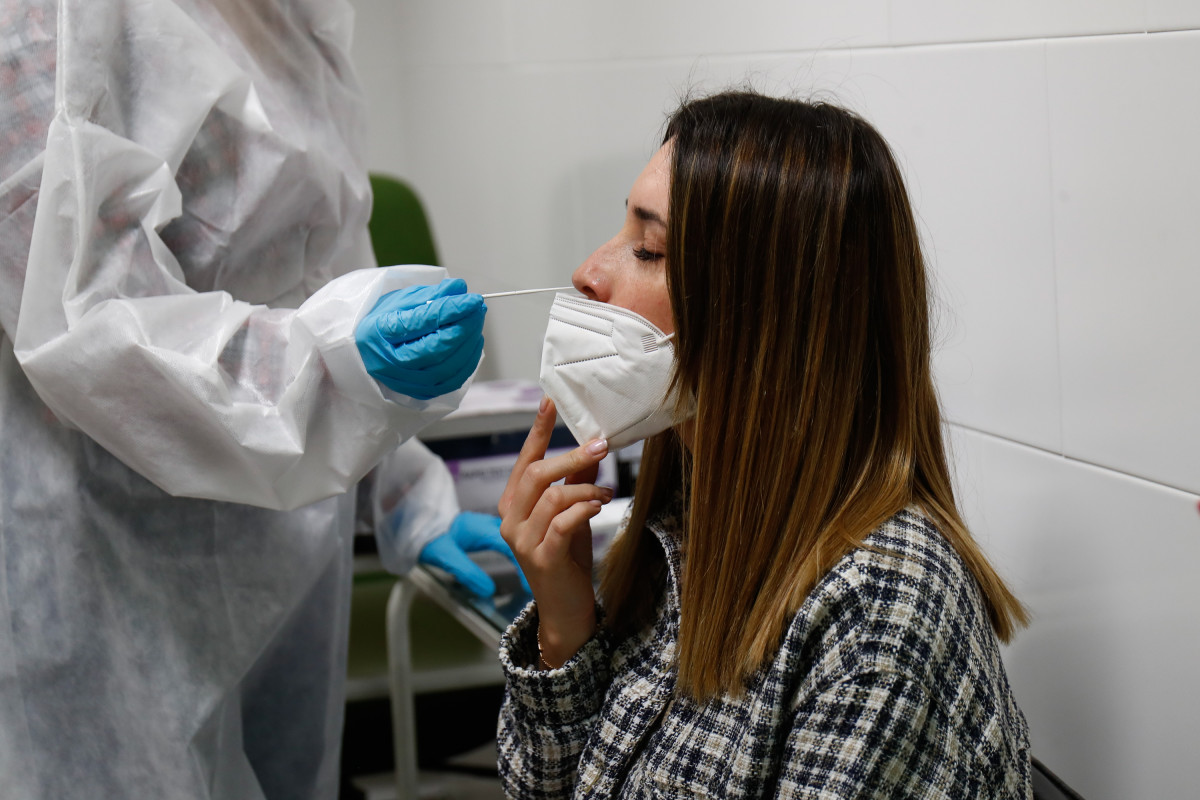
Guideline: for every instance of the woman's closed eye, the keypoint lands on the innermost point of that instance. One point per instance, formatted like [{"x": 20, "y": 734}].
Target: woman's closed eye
[{"x": 641, "y": 253}]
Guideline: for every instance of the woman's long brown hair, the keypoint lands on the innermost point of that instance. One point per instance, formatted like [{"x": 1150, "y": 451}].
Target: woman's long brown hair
[{"x": 801, "y": 309}]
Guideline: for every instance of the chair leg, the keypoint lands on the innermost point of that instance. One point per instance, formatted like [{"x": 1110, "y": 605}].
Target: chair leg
[{"x": 404, "y": 729}]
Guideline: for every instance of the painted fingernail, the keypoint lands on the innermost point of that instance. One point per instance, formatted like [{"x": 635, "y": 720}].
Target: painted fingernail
[
  {"x": 607, "y": 492},
  {"x": 598, "y": 447}
]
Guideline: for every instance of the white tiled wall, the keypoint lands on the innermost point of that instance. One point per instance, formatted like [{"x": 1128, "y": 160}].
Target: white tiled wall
[
  {"x": 1172, "y": 15},
  {"x": 1106, "y": 564},
  {"x": 378, "y": 64},
  {"x": 550, "y": 30},
  {"x": 977, "y": 172},
  {"x": 1050, "y": 153},
  {"x": 1125, "y": 123},
  {"x": 955, "y": 21}
]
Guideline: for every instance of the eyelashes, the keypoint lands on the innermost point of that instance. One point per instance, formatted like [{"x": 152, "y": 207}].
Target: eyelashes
[{"x": 642, "y": 254}]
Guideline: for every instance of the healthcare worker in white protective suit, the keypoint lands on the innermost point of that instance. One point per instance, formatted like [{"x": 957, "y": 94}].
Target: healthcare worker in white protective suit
[{"x": 194, "y": 369}]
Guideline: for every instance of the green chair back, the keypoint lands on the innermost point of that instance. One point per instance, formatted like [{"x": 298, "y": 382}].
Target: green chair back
[{"x": 400, "y": 232}]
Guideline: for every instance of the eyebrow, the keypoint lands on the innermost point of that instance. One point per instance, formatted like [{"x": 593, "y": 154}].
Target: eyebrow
[{"x": 646, "y": 215}]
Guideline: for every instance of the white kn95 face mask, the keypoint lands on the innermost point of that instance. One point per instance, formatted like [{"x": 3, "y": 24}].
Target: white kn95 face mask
[{"x": 607, "y": 369}]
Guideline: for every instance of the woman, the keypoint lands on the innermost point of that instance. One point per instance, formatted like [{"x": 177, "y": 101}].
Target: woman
[{"x": 795, "y": 608}]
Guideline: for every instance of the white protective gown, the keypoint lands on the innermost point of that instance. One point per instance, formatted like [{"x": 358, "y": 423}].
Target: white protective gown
[{"x": 183, "y": 209}]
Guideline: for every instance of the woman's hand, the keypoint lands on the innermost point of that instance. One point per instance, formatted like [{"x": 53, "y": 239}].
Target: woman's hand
[{"x": 546, "y": 526}]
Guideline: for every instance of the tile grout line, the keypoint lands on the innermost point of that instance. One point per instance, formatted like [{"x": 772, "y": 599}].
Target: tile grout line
[
  {"x": 1074, "y": 460},
  {"x": 826, "y": 50},
  {"x": 1054, "y": 271}
]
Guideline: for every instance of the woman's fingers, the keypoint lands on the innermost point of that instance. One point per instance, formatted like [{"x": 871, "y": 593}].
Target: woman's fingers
[
  {"x": 556, "y": 547},
  {"x": 545, "y": 509},
  {"x": 553, "y": 504},
  {"x": 534, "y": 449},
  {"x": 541, "y": 474},
  {"x": 538, "y": 476},
  {"x": 586, "y": 475}
]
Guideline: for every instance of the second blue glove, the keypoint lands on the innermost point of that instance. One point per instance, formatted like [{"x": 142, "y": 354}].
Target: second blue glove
[
  {"x": 423, "y": 341},
  {"x": 468, "y": 533}
]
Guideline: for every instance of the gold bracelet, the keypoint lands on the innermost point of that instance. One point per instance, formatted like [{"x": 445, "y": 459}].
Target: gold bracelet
[{"x": 543, "y": 664}]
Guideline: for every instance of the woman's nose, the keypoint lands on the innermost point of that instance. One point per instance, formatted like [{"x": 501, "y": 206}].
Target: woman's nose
[{"x": 591, "y": 279}]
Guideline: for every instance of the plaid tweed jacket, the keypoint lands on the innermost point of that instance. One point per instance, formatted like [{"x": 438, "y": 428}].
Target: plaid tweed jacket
[{"x": 888, "y": 684}]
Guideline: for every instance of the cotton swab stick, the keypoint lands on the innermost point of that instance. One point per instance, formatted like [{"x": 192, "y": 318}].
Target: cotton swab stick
[{"x": 527, "y": 291}]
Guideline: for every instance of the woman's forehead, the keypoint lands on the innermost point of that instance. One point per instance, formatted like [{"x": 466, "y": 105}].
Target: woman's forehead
[{"x": 652, "y": 187}]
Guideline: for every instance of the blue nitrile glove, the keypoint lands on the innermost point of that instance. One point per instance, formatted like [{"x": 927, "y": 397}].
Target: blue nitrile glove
[
  {"x": 423, "y": 341},
  {"x": 468, "y": 533}
]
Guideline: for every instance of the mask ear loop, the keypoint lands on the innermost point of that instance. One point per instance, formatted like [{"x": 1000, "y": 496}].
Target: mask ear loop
[{"x": 650, "y": 343}]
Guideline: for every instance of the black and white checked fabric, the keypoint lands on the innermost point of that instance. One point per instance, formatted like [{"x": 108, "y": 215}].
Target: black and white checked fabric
[{"x": 887, "y": 684}]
